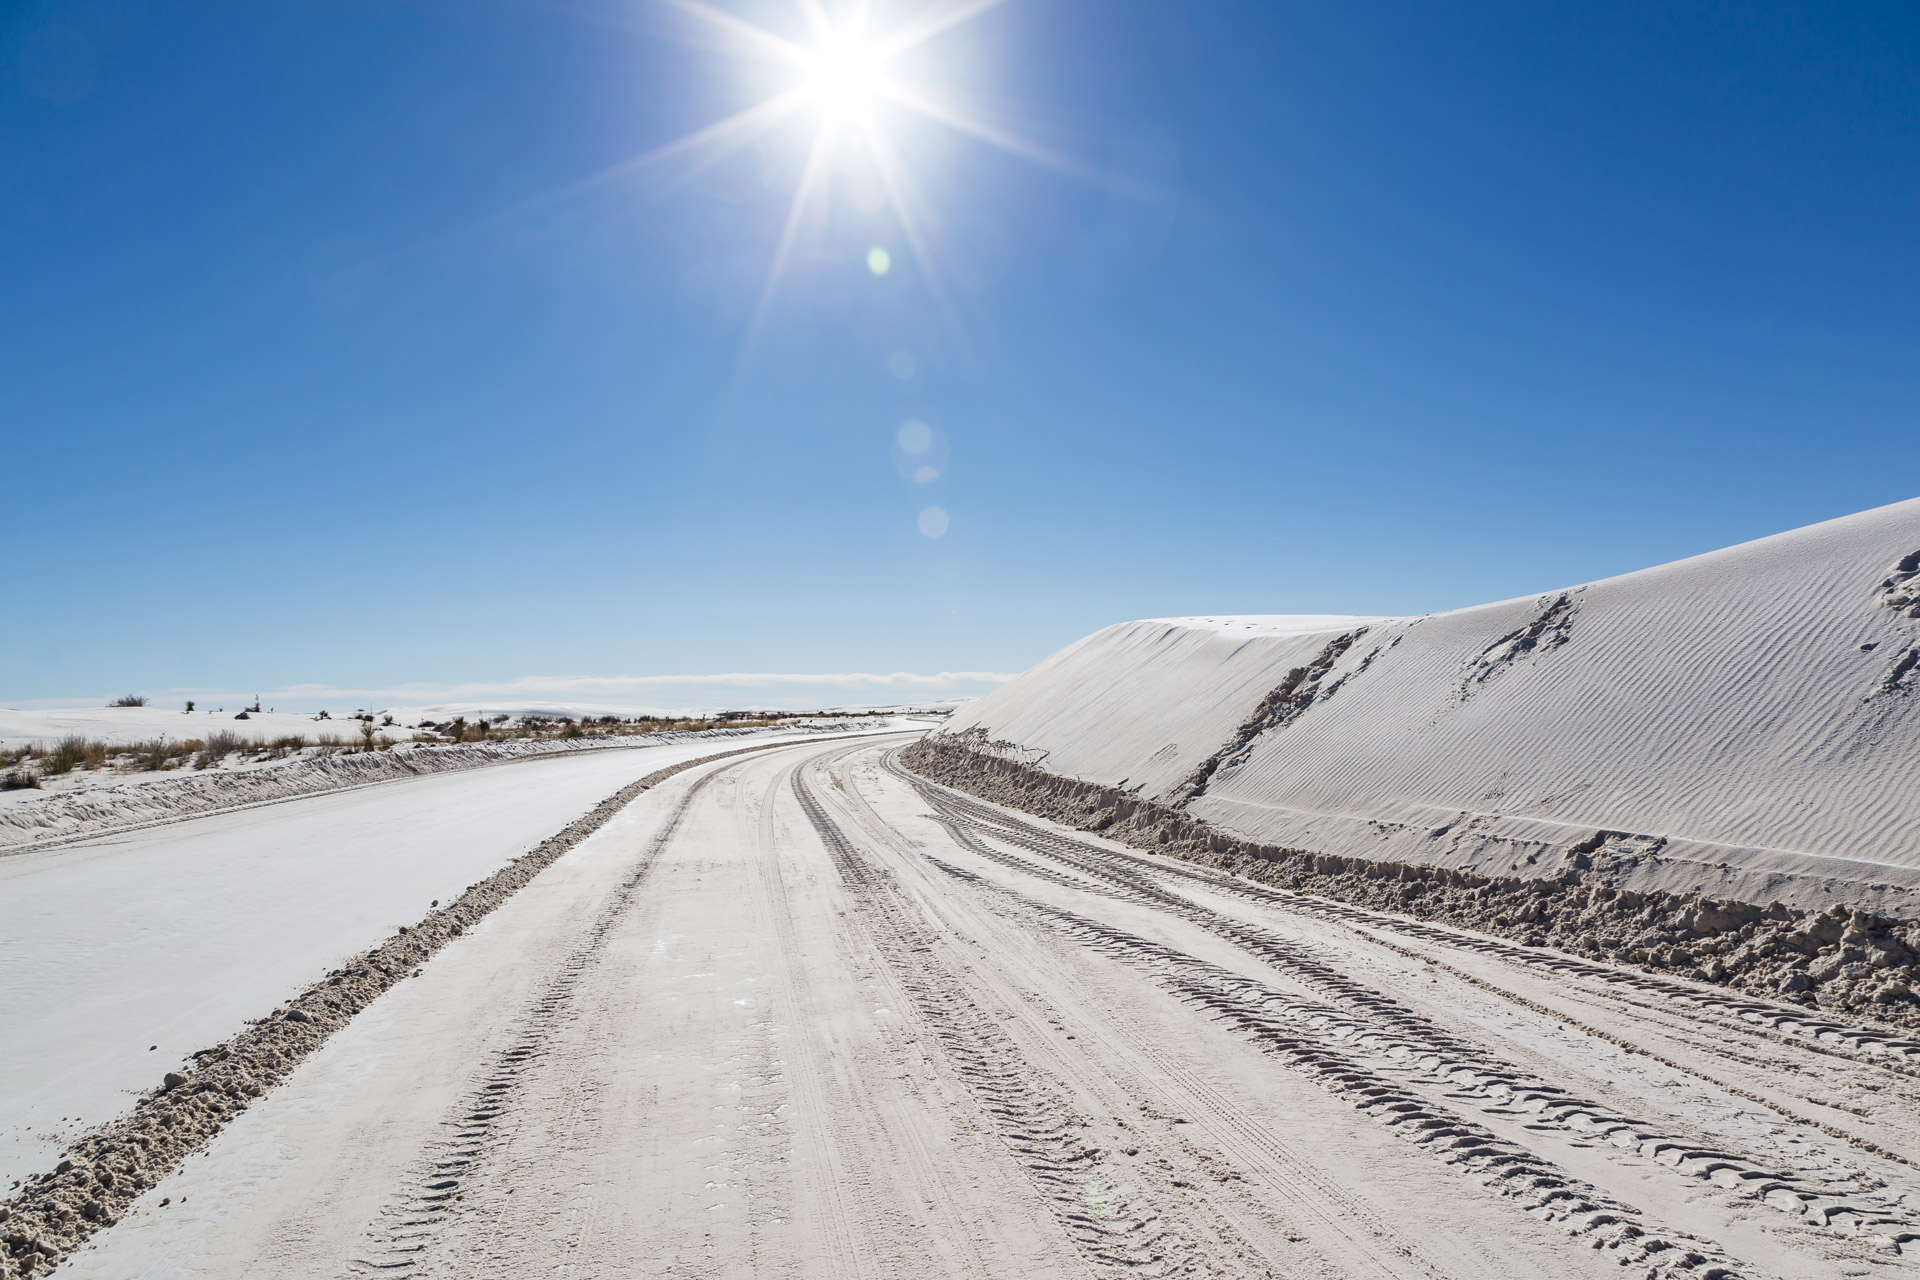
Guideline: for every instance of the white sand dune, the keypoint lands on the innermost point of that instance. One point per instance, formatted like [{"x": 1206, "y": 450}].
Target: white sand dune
[{"x": 1744, "y": 723}]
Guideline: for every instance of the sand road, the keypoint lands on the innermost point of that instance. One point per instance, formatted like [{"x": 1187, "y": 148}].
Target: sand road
[
  {"x": 124, "y": 952},
  {"x": 799, "y": 1014}
]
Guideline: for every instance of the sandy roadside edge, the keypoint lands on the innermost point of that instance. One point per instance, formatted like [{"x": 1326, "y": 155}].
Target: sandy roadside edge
[
  {"x": 1822, "y": 962},
  {"x": 86, "y": 815},
  {"x": 105, "y": 1170}
]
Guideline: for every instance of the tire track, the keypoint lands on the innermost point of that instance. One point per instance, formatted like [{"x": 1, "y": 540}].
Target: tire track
[
  {"x": 110, "y": 1167},
  {"x": 1791, "y": 1025},
  {"x": 414, "y": 1219},
  {"x": 1744, "y": 1020},
  {"x": 1866, "y": 1208},
  {"x": 1116, "y": 1232},
  {"x": 1306, "y": 1190},
  {"x": 849, "y": 1248},
  {"x": 1540, "y": 1187},
  {"x": 920, "y": 1170}
]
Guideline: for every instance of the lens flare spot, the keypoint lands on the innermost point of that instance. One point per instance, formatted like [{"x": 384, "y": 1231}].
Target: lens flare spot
[
  {"x": 926, "y": 474},
  {"x": 901, "y": 365},
  {"x": 914, "y": 437},
  {"x": 933, "y": 522},
  {"x": 879, "y": 261}
]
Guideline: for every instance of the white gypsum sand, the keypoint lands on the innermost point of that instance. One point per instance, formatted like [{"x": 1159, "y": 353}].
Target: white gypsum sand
[
  {"x": 812, "y": 1012},
  {"x": 1744, "y": 724},
  {"x": 800, "y": 1013},
  {"x": 112, "y": 801},
  {"x": 125, "y": 952}
]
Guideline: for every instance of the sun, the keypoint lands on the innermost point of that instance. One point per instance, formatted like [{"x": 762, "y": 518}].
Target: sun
[
  {"x": 842, "y": 74},
  {"x": 845, "y": 74}
]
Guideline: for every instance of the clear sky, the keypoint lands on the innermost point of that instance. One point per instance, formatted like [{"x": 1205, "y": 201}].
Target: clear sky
[{"x": 373, "y": 345}]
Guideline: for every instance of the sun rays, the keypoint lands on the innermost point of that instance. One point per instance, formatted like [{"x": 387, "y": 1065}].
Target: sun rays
[{"x": 851, "y": 78}]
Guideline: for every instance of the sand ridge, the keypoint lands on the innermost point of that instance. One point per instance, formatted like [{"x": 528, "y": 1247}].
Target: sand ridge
[{"x": 1741, "y": 725}]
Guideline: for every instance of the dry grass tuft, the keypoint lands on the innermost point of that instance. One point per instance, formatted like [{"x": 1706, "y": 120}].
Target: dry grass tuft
[
  {"x": 219, "y": 744},
  {"x": 66, "y": 753},
  {"x": 158, "y": 754}
]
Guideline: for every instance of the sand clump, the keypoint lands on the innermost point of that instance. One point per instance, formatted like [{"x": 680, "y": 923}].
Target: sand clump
[
  {"x": 1840, "y": 960},
  {"x": 49, "y": 1215}
]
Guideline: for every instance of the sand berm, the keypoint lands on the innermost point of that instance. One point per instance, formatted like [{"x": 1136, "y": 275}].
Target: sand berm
[{"x": 1710, "y": 768}]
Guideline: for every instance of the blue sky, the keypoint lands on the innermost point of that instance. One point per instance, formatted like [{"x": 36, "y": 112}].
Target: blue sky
[{"x": 323, "y": 363}]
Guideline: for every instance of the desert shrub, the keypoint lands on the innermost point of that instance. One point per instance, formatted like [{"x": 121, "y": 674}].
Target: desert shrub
[
  {"x": 95, "y": 755},
  {"x": 155, "y": 755},
  {"x": 66, "y": 753},
  {"x": 573, "y": 731},
  {"x": 218, "y": 745},
  {"x": 129, "y": 700},
  {"x": 19, "y": 780},
  {"x": 291, "y": 742}
]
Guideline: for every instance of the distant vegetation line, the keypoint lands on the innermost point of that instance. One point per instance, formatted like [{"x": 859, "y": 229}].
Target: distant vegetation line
[{"x": 26, "y": 766}]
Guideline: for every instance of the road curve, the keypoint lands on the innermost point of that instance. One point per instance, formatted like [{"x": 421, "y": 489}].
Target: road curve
[
  {"x": 123, "y": 953},
  {"x": 803, "y": 1014}
]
